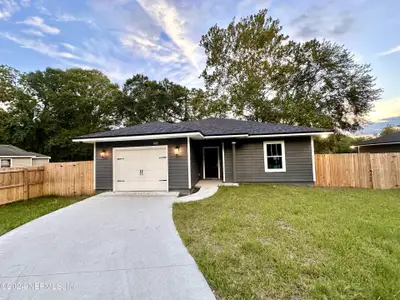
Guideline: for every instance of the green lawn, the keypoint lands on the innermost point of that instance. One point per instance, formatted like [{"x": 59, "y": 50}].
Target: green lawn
[
  {"x": 290, "y": 242},
  {"x": 15, "y": 214}
]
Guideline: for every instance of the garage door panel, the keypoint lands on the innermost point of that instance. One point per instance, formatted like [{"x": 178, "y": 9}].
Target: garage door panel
[{"x": 141, "y": 169}]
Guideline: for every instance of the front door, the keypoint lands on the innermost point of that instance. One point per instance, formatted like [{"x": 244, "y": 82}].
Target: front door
[{"x": 211, "y": 162}]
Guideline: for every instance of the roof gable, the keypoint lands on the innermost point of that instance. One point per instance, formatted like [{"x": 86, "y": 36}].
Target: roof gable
[{"x": 12, "y": 151}]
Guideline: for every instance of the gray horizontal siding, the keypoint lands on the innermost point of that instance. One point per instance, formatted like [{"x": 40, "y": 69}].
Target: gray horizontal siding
[
  {"x": 177, "y": 165},
  {"x": 228, "y": 162},
  {"x": 380, "y": 148},
  {"x": 250, "y": 161}
]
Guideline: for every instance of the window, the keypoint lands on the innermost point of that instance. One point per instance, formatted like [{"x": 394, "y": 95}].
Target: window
[
  {"x": 274, "y": 156},
  {"x": 5, "y": 163}
]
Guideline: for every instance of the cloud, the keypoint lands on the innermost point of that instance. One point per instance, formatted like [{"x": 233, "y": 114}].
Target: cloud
[
  {"x": 377, "y": 127},
  {"x": 245, "y": 7},
  {"x": 39, "y": 46},
  {"x": 67, "y": 18},
  {"x": 43, "y": 10},
  {"x": 322, "y": 20},
  {"x": 33, "y": 32},
  {"x": 174, "y": 25},
  {"x": 391, "y": 51},
  {"x": 103, "y": 55},
  {"x": 38, "y": 22},
  {"x": 39, "y": 5},
  {"x": 152, "y": 47},
  {"x": 385, "y": 109},
  {"x": 25, "y": 3},
  {"x": 70, "y": 18},
  {"x": 157, "y": 38},
  {"x": 69, "y": 46},
  {"x": 7, "y": 8}
]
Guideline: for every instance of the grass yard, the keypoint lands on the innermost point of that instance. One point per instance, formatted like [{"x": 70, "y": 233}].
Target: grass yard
[
  {"x": 15, "y": 214},
  {"x": 290, "y": 242}
]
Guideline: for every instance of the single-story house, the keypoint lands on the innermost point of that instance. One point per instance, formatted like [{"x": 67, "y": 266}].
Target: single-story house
[
  {"x": 14, "y": 157},
  {"x": 382, "y": 144},
  {"x": 175, "y": 156}
]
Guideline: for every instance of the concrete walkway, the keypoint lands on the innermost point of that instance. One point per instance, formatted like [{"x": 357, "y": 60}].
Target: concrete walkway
[
  {"x": 207, "y": 188},
  {"x": 111, "y": 246}
]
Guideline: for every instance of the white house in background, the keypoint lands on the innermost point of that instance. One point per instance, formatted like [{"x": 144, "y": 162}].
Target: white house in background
[{"x": 14, "y": 157}]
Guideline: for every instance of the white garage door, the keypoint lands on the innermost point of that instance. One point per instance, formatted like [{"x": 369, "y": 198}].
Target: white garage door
[{"x": 141, "y": 169}]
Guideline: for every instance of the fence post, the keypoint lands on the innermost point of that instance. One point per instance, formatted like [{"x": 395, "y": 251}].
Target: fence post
[
  {"x": 26, "y": 184},
  {"x": 371, "y": 172}
]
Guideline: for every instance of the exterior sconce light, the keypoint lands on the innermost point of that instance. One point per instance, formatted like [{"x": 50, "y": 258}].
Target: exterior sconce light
[
  {"x": 103, "y": 154},
  {"x": 177, "y": 150}
]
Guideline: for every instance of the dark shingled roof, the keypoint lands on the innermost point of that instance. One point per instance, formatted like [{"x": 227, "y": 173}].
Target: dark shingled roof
[
  {"x": 10, "y": 150},
  {"x": 385, "y": 139},
  {"x": 207, "y": 127}
]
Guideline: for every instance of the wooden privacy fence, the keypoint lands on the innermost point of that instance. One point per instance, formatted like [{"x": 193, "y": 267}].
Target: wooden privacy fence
[
  {"x": 61, "y": 179},
  {"x": 364, "y": 170}
]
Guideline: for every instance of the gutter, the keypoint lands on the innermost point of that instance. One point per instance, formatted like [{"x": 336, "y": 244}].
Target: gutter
[
  {"x": 194, "y": 135},
  {"x": 379, "y": 144}
]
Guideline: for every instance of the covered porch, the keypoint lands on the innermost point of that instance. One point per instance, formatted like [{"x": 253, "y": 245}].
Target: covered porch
[{"x": 212, "y": 161}]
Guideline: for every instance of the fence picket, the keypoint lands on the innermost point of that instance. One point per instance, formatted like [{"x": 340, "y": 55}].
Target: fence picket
[
  {"x": 62, "y": 179},
  {"x": 365, "y": 170}
]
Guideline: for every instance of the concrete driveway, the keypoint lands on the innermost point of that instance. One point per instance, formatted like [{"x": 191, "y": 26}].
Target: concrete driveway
[{"x": 111, "y": 246}]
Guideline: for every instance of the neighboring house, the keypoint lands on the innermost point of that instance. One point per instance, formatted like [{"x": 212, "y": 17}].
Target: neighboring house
[
  {"x": 14, "y": 157},
  {"x": 385, "y": 143},
  {"x": 165, "y": 156}
]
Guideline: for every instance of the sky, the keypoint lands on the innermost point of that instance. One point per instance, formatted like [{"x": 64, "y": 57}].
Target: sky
[{"x": 160, "y": 38}]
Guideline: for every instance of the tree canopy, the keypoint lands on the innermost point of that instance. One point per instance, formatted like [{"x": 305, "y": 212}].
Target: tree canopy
[
  {"x": 253, "y": 71},
  {"x": 389, "y": 129},
  {"x": 45, "y": 109},
  {"x": 148, "y": 100},
  {"x": 256, "y": 72}
]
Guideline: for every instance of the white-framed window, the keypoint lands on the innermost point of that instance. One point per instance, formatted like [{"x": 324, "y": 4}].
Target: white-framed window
[
  {"x": 5, "y": 163},
  {"x": 274, "y": 156}
]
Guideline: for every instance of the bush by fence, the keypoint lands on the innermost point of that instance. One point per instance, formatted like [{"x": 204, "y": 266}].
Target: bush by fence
[
  {"x": 61, "y": 179},
  {"x": 365, "y": 170}
]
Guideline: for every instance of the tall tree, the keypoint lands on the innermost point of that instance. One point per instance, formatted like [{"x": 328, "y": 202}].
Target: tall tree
[
  {"x": 389, "y": 129},
  {"x": 337, "y": 143},
  {"x": 4, "y": 116},
  {"x": 254, "y": 71},
  {"x": 148, "y": 100},
  {"x": 52, "y": 106}
]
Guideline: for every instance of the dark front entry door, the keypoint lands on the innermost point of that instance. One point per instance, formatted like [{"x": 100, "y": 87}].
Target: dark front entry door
[{"x": 211, "y": 162}]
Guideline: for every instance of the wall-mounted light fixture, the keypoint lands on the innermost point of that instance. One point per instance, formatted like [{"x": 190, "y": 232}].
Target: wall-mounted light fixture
[
  {"x": 177, "y": 150},
  {"x": 103, "y": 154}
]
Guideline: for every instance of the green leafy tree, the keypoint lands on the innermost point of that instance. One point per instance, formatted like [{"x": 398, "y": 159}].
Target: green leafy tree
[
  {"x": 148, "y": 100},
  {"x": 4, "y": 116},
  {"x": 48, "y": 108},
  {"x": 254, "y": 71},
  {"x": 242, "y": 59},
  {"x": 389, "y": 129},
  {"x": 337, "y": 143}
]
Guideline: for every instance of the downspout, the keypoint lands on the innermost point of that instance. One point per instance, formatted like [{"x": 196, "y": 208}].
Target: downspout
[{"x": 234, "y": 161}]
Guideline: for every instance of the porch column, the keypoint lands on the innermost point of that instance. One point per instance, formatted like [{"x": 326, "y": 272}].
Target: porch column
[
  {"x": 189, "y": 164},
  {"x": 234, "y": 161}
]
